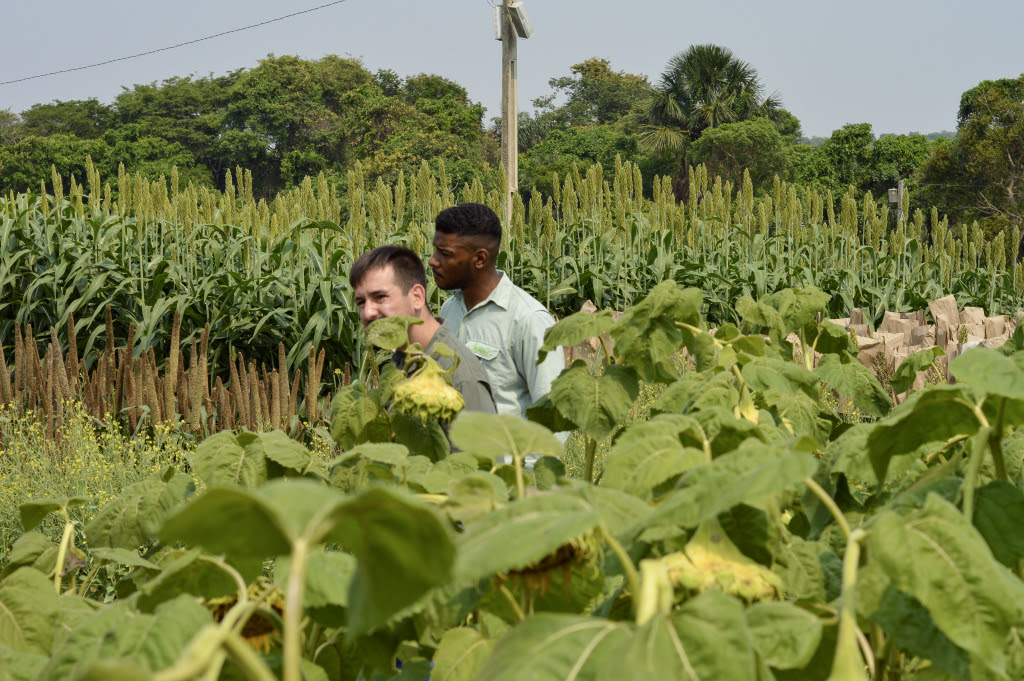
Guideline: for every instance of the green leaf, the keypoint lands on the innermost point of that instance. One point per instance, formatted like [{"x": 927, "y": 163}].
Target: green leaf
[
  {"x": 328, "y": 578},
  {"x": 649, "y": 453},
  {"x": 425, "y": 438},
  {"x": 33, "y": 512},
  {"x": 696, "y": 391},
  {"x": 521, "y": 533},
  {"x": 256, "y": 529},
  {"x": 460, "y": 654},
  {"x": 182, "y": 572},
  {"x": 597, "y": 404},
  {"x": 848, "y": 457},
  {"x": 829, "y": 338},
  {"x": 27, "y": 550},
  {"x": 852, "y": 379},
  {"x": 797, "y": 306},
  {"x": 989, "y": 371},
  {"x": 115, "y": 671},
  {"x": 353, "y": 417},
  {"x": 116, "y": 633},
  {"x": 906, "y": 373},
  {"x": 28, "y": 608},
  {"x": 914, "y": 423},
  {"x": 785, "y": 636},
  {"x": 544, "y": 412},
  {"x": 474, "y": 495},
  {"x": 549, "y": 647},
  {"x": 135, "y": 515},
  {"x": 18, "y": 665},
  {"x": 390, "y": 333},
  {"x": 999, "y": 516},
  {"x": 725, "y": 431},
  {"x": 797, "y": 413},
  {"x": 229, "y": 459},
  {"x": 799, "y": 565},
  {"x": 712, "y": 640},
  {"x": 751, "y": 475},
  {"x": 547, "y": 471},
  {"x": 646, "y": 335},
  {"x": 1015, "y": 343},
  {"x": 935, "y": 555},
  {"x": 912, "y": 629},
  {"x": 495, "y": 435},
  {"x": 282, "y": 450},
  {"x": 765, "y": 373},
  {"x": 403, "y": 548},
  {"x": 575, "y": 329},
  {"x": 122, "y": 557},
  {"x": 761, "y": 316},
  {"x": 619, "y": 511},
  {"x": 382, "y": 452},
  {"x": 689, "y": 646}
]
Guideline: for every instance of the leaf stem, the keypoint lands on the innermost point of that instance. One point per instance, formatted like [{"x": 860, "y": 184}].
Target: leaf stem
[
  {"x": 66, "y": 541},
  {"x": 245, "y": 657},
  {"x": 520, "y": 615},
  {"x": 632, "y": 577},
  {"x": 980, "y": 441},
  {"x": 607, "y": 354},
  {"x": 588, "y": 469},
  {"x": 89, "y": 577},
  {"x": 830, "y": 503},
  {"x": 293, "y": 611},
  {"x": 850, "y": 637},
  {"x": 243, "y": 589},
  {"x": 517, "y": 461},
  {"x": 995, "y": 442}
]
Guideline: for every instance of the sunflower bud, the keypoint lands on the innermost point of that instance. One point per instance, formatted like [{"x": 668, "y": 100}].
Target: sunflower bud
[
  {"x": 711, "y": 560},
  {"x": 428, "y": 393}
]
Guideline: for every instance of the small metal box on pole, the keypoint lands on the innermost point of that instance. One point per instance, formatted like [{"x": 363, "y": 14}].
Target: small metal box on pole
[{"x": 896, "y": 196}]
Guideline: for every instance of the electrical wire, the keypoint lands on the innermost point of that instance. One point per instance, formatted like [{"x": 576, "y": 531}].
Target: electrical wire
[{"x": 173, "y": 47}]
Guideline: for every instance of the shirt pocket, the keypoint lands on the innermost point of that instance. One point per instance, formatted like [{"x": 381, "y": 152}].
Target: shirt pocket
[{"x": 485, "y": 351}]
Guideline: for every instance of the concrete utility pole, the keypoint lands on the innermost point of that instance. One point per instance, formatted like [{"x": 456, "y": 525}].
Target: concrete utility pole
[
  {"x": 896, "y": 196},
  {"x": 509, "y": 108},
  {"x": 899, "y": 202}
]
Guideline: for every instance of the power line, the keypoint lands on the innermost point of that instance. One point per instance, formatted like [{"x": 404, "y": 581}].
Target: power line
[{"x": 172, "y": 47}]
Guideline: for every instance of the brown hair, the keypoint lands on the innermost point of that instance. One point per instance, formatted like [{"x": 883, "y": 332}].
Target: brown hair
[{"x": 406, "y": 265}]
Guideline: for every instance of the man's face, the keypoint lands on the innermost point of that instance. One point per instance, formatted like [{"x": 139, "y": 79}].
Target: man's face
[
  {"x": 379, "y": 295},
  {"x": 452, "y": 261}
]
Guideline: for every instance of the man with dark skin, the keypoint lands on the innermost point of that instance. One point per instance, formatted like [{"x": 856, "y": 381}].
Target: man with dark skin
[
  {"x": 390, "y": 281},
  {"x": 498, "y": 321}
]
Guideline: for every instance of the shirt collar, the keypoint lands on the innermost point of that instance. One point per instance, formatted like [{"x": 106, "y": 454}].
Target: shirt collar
[{"x": 500, "y": 296}]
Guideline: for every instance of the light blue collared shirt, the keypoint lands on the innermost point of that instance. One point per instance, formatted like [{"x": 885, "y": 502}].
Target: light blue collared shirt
[{"x": 506, "y": 331}]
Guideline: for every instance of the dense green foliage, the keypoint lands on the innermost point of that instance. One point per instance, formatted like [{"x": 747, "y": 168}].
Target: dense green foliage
[
  {"x": 283, "y": 120},
  {"x": 745, "y": 530},
  {"x": 288, "y": 118},
  {"x": 978, "y": 175},
  {"x": 262, "y": 274}
]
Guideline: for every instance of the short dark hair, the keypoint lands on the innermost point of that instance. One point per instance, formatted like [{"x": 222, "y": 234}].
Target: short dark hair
[
  {"x": 470, "y": 219},
  {"x": 406, "y": 265}
]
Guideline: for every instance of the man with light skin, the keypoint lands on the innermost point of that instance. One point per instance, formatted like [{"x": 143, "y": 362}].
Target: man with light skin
[
  {"x": 499, "y": 322},
  {"x": 390, "y": 281}
]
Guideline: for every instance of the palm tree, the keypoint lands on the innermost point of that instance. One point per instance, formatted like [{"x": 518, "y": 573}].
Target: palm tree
[{"x": 701, "y": 87}]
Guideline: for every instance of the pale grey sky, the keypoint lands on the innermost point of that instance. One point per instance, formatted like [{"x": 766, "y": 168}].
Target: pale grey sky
[{"x": 900, "y": 65}]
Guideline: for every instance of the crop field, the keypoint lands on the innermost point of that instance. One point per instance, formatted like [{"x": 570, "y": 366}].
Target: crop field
[{"x": 202, "y": 475}]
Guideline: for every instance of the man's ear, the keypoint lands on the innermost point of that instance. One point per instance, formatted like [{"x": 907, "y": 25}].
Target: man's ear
[
  {"x": 481, "y": 257},
  {"x": 418, "y": 296}
]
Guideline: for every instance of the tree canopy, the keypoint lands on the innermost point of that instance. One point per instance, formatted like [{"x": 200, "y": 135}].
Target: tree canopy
[{"x": 283, "y": 119}]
